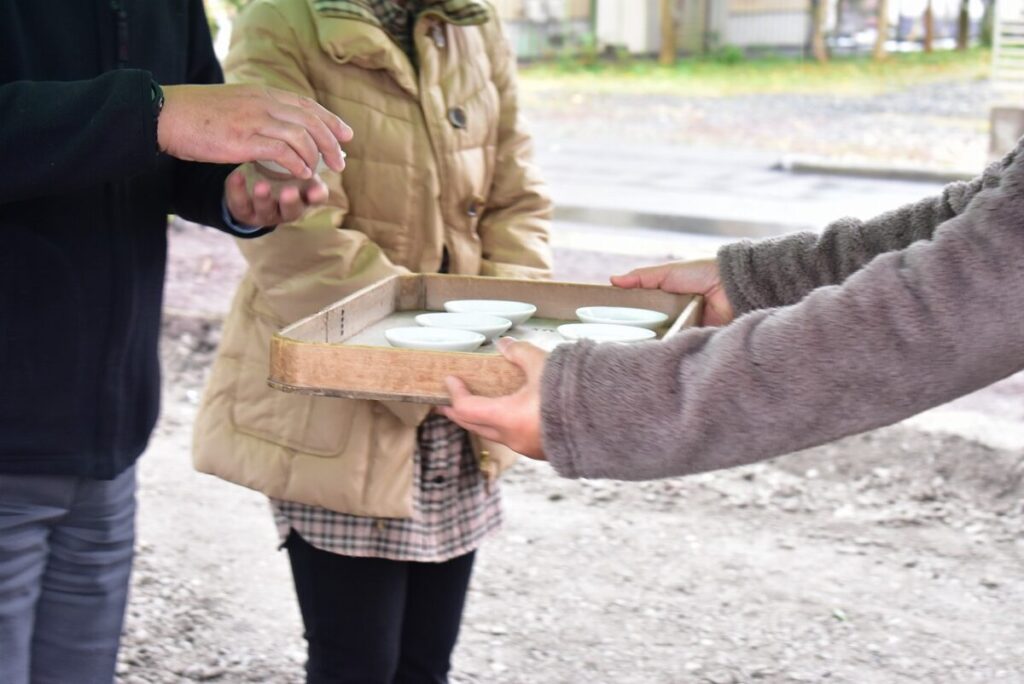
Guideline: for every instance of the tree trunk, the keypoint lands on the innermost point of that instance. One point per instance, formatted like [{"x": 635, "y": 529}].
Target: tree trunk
[
  {"x": 929, "y": 27},
  {"x": 883, "y": 29},
  {"x": 988, "y": 23},
  {"x": 819, "y": 15},
  {"x": 963, "y": 26},
  {"x": 667, "y": 55}
]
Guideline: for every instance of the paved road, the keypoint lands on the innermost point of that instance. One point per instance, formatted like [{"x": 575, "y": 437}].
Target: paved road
[{"x": 720, "y": 193}]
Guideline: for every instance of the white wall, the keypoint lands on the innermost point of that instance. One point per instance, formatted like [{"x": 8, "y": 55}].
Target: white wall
[
  {"x": 629, "y": 23},
  {"x": 784, "y": 29}
]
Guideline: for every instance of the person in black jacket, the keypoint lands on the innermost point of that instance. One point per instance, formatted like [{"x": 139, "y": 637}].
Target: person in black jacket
[{"x": 106, "y": 111}]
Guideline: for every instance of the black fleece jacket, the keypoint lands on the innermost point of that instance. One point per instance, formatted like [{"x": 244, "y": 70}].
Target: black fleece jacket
[{"x": 84, "y": 199}]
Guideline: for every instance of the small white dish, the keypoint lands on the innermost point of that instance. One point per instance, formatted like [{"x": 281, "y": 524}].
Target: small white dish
[
  {"x": 485, "y": 324},
  {"x": 621, "y": 315},
  {"x": 517, "y": 312},
  {"x": 276, "y": 170},
  {"x": 603, "y": 332},
  {"x": 434, "y": 339}
]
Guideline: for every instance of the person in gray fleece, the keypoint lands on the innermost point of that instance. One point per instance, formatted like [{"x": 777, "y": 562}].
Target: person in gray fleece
[{"x": 861, "y": 326}]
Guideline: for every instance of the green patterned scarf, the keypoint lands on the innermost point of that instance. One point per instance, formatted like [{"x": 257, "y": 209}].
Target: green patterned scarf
[{"x": 397, "y": 19}]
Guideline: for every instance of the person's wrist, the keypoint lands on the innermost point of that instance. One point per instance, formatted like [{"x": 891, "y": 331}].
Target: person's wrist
[
  {"x": 157, "y": 103},
  {"x": 233, "y": 223},
  {"x": 165, "y": 119}
]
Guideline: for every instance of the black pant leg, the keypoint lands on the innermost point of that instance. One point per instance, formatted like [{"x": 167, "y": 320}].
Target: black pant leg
[
  {"x": 434, "y": 601},
  {"x": 352, "y": 609}
]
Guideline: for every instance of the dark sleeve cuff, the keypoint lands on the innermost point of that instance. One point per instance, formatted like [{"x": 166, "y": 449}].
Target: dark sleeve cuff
[{"x": 240, "y": 229}]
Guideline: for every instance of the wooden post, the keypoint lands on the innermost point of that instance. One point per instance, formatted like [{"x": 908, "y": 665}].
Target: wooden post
[
  {"x": 929, "y": 27},
  {"x": 883, "y": 29},
  {"x": 667, "y": 55},
  {"x": 819, "y": 15}
]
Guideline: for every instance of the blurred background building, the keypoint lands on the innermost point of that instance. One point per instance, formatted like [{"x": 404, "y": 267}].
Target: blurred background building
[
  {"x": 544, "y": 27},
  {"x": 549, "y": 28}
]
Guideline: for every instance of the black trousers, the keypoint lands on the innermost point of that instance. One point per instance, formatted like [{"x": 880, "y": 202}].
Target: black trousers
[{"x": 377, "y": 621}]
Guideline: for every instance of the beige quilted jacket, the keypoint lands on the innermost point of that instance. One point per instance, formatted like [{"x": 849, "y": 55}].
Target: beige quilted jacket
[{"x": 439, "y": 161}]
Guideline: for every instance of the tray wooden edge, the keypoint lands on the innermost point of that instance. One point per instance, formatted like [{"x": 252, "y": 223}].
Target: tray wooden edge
[
  {"x": 294, "y": 368},
  {"x": 362, "y": 396}
]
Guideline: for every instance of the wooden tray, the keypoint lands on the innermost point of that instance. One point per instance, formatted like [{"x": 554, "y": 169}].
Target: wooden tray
[{"x": 341, "y": 351}]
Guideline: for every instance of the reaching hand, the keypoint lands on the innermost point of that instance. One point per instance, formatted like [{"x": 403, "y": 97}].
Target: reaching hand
[
  {"x": 685, "y": 277},
  {"x": 513, "y": 420},
  {"x": 261, "y": 206},
  {"x": 234, "y": 124}
]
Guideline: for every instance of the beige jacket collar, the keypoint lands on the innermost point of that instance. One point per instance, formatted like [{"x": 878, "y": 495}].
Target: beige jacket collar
[{"x": 348, "y": 31}]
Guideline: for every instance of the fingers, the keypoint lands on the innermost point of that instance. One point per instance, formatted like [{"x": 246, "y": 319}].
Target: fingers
[
  {"x": 342, "y": 131},
  {"x": 627, "y": 281},
  {"x": 486, "y": 431},
  {"x": 456, "y": 389},
  {"x": 465, "y": 405},
  {"x": 528, "y": 357},
  {"x": 315, "y": 192},
  {"x": 322, "y": 136},
  {"x": 237, "y": 197},
  {"x": 290, "y": 205},
  {"x": 513, "y": 420},
  {"x": 281, "y": 152},
  {"x": 471, "y": 412},
  {"x": 296, "y": 136},
  {"x": 696, "y": 276},
  {"x": 649, "y": 277},
  {"x": 264, "y": 206}
]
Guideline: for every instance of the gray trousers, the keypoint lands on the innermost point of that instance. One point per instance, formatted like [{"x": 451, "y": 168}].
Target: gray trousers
[{"x": 66, "y": 547}]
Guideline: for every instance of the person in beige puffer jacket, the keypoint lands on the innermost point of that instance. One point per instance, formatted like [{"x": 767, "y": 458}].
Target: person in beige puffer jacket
[{"x": 380, "y": 505}]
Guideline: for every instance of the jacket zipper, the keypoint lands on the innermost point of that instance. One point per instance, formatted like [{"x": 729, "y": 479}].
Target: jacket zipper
[
  {"x": 119, "y": 10},
  {"x": 124, "y": 260}
]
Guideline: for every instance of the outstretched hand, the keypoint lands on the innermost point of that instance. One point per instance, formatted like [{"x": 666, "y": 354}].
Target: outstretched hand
[
  {"x": 513, "y": 420},
  {"x": 699, "y": 277},
  {"x": 257, "y": 204}
]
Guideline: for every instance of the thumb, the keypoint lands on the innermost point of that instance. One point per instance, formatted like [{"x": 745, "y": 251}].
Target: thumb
[
  {"x": 457, "y": 389},
  {"x": 649, "y": 277},
  {"x": 626, "y": 281},
  {"x": 528, "y": 357}
]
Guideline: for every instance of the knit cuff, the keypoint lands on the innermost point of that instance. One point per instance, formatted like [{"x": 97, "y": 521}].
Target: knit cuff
[
  {"x": 735, "y": 269},
  {"x": 558, "y": 399}
]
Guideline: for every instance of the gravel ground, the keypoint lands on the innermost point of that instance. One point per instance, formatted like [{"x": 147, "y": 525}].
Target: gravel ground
[
  {"x": 938, "y": 125},
  {"x": 889, "y": 557}
]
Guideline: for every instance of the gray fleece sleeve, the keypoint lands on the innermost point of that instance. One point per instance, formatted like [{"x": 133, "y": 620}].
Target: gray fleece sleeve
[
  {"x": 910, "y": 330},
  {"x": 781, "y": 271}
]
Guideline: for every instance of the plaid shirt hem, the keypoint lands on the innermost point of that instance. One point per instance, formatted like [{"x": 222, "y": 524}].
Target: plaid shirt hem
[{"x": 454, "y": 508}]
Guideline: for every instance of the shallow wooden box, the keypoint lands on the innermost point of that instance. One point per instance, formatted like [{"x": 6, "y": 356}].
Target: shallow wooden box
[{"x": 341, "y": 351}]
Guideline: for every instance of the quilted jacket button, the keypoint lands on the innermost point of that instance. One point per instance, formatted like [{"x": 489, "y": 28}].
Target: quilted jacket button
[{"x": 457, "y": 117}]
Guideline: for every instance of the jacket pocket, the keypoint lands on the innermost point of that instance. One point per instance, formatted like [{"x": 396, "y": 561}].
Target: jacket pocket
[{"x": 318, "y": 426}]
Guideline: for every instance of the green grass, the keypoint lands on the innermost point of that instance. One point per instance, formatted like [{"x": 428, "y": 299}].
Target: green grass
[{"x": 728, "y": 75}]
